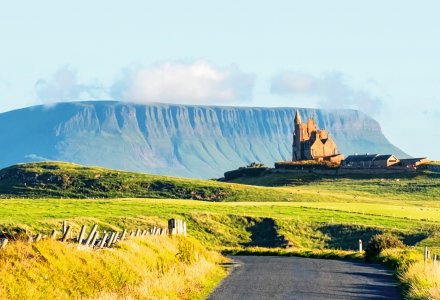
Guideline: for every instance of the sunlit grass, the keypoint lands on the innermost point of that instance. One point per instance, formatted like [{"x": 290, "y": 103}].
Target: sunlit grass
[
  {"x": 423, "y": 280},
  {"x": 220, "y": 223},
  {"x": 142, "y": 268}
]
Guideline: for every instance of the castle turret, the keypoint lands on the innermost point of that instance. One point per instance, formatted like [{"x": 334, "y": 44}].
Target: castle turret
[
  {"x": 297, "y": 137},
  {"x": 297, "y": 118},
  {"x": 311, "y": 125}
]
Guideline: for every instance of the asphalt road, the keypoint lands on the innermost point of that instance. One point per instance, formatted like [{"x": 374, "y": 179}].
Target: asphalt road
[{"x": 275, "y": 277}]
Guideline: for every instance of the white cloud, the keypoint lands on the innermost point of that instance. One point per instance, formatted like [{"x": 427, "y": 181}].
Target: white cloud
[
  {"x": 332, "y": 90},
  {"x": 175, "y": 82},
  {"x": 64, "y": 86}
]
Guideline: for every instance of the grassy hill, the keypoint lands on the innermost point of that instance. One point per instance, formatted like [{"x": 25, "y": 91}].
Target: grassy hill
[
  {"x": 66, "y": 180},
  {"x": 419, "y": 185}
]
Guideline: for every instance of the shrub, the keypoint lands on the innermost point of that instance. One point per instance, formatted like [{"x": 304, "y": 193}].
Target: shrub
[
  {"x": 186, "y": 253},
  {"x": 380, "y": 242}
]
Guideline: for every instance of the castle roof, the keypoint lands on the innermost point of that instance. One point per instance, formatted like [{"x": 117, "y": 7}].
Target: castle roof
[{"x": 297, "y": 118}]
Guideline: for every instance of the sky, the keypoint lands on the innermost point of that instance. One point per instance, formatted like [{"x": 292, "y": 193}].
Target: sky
[{"x": 381, "y": 57}]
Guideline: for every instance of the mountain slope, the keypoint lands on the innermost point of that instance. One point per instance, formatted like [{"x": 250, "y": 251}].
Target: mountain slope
[{"x": 182, "y": 140}]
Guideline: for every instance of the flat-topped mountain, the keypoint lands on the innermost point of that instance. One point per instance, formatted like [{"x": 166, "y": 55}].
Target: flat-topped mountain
[{"x": 180, "y": 140}]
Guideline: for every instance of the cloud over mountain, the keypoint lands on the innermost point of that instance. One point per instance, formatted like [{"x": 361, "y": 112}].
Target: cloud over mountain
[
  {"x": 64, "y": 85},
  {"x": 331, "y": 90},
  {"x": 196, "y": 83}
]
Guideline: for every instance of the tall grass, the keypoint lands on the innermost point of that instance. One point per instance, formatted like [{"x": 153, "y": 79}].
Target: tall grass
[
  {"x": 423, "y": 280},
  {"x": 142, "y": 268},
  {"x": 420, "y": 279}
]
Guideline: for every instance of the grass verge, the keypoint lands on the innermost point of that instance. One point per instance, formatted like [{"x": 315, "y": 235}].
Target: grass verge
[
  {"x": 419, "y": 279},
  {"x": 151, "y": 267},
  {"x": 308, "y": 253}
]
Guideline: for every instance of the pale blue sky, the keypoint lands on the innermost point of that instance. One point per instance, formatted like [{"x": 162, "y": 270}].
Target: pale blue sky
[{"x": 378, "y": 56}]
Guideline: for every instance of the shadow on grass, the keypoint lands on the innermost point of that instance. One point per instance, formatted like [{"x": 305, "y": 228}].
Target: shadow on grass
[
  {"x": 346, "y": 237},
  {"x": 264, "y": 233}
]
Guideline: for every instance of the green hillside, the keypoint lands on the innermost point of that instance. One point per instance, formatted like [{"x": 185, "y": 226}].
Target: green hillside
[
  {"x": 66, "y": 180},
  {"x": 418, "y": 185}
]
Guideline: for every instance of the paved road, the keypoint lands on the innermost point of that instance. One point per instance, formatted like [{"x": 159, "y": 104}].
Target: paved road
[{"x": 275, "y": 277}]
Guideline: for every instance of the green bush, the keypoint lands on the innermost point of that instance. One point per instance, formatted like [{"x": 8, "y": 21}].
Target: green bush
[{"x": 380, "y": 242}]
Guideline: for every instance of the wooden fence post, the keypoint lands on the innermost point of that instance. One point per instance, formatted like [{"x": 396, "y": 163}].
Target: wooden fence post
[
  {"x": 112, "y": 235},
  {"x": 138, "y": 232},
  {"x": 38, "y": 237},
  {"x": 81, "y": 234},
  {"x": 426, "y": 254},
  {"x": 95, "y": 237},
  {"x": 124, "y": 233},
  {"x": 64, "y": 228},
  {"x": 184, "y": 229},
  {"x": 171, "y": 226},
  {"x": 102, "y": 243},
  {"x": 3, "y": 243},
  {"x": 179, "y": 227},
  {"x": 360, "y": 246},
  {"x": 66, "y": 234},
  {"x": 91, "y": 234},
  {"x": 115, "y": 238},
  {"x": 53, "y": 235}
]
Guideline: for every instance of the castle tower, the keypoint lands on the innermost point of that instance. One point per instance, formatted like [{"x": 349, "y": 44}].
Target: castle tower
[
  {"x": 311, "y": 126},
  {"x": 310, "y": 142},
  {"x": 297, "y": 138}
]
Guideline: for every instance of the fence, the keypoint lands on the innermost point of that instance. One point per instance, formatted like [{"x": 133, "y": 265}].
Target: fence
[
  {"x": 427, "y": 256},
  {"x": 94, "y": 238}
]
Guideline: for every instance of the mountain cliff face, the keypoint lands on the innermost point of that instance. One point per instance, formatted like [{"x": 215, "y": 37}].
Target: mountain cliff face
[{"x": 181, "y": 140}]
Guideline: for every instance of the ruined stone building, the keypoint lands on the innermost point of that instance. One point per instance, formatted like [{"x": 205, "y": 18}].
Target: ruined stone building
[{"x": 311, "y": 143}]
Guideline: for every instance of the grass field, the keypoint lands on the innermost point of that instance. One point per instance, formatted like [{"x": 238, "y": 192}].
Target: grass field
[
  {"x": 301, "y": 210},
  {"x": 230, "y": 224},
  {"x": 283, "y": 213}
]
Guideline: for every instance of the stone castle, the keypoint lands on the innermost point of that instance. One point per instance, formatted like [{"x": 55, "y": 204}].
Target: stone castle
[{"x": 311, "y": 143}]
